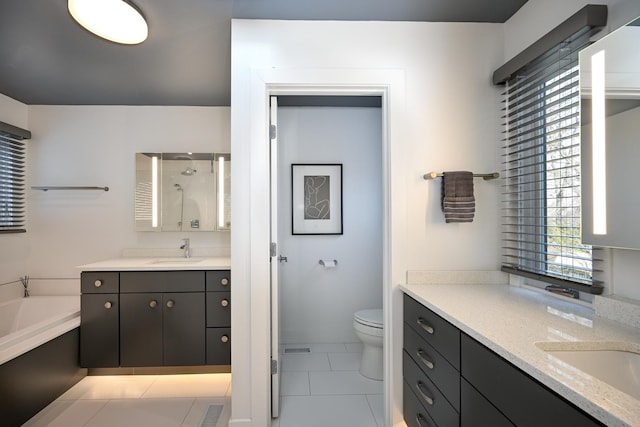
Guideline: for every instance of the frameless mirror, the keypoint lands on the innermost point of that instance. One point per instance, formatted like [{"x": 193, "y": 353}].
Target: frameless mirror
[
  {"x": 610, "y": 119},
  {"x": 182, "y": 192}
]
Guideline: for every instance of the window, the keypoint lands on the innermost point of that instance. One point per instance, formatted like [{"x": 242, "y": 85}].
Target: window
[
  {"x": 12, "y": 178},
  {"x": 541, "y": 198}
]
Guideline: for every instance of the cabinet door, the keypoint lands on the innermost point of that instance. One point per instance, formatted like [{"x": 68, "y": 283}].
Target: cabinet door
[
  {"x": 99, "y": 340},
  {"x": 184, "y": 328},
  {"x": 477, "y": 411},
  {"x": 141, "y": 329}
]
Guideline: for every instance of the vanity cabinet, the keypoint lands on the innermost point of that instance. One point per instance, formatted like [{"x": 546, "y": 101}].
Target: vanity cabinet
[
  {"x": 156, "y": 318},
  {"x": 450, "y": 379},
  {"x": 100, "y": 322}
]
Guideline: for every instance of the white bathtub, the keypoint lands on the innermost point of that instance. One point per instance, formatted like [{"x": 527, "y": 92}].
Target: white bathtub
[{"x": 26, "y": 323}]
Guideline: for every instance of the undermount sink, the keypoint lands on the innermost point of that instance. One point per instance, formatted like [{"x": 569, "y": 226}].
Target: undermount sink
[
  {"x": 615, "y": 363},
  {"x": 177, "y": 261}
]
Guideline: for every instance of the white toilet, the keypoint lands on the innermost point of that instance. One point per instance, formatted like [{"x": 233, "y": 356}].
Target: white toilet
[{"x": 370, "y": 329}]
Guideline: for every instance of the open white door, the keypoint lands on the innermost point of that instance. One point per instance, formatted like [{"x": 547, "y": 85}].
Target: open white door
[{"x": 275, "y": 263}]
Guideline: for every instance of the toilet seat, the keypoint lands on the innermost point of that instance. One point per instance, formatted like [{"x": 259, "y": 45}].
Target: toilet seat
[{"x": 371, "y": 318}]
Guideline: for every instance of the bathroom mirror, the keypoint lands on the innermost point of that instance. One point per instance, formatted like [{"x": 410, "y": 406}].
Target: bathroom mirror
[
  {"x": 182, "y": 192},
  {"x": 610, "y": 136}
]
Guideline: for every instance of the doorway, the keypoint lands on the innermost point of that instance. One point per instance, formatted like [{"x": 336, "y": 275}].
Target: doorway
[{"x": 318, "y": 350}]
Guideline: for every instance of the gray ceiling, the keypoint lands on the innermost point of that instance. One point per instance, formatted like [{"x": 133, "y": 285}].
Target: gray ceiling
[{"x": 46, "y": 58}]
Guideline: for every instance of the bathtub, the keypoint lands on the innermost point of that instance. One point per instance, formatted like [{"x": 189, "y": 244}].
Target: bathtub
[{"x": 26, "y": 323}]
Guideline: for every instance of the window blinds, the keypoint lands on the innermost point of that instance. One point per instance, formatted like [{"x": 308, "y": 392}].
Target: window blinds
[
  {"x": 541, "y": 197},
  {"x": 12, "y": 179}
]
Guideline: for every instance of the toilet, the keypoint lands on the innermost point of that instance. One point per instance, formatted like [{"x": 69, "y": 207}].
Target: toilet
[{"x": 369, "y": 328}]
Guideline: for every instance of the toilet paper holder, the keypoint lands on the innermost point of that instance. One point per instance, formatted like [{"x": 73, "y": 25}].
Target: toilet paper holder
[{"x": 324, "y": 263}]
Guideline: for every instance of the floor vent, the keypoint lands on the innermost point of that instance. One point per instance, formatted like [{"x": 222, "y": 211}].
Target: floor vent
[
  {"x": 212, "y": 416},
  {"x": 297, "y": 350}
]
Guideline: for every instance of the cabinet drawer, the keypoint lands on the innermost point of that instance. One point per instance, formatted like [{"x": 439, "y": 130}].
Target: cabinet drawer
[
  {"x": 218, "y": 346},
  {"x": 99, "y": 331},
  {"x": 442, "y": 335},
  {"x": 414, "y": 413},
  {"x": 478, "y": 411},
  {"x": 218, "y": 280},
  {"x": 218, "y": 309},
  {"x": 434, "y": 365},
  {"x": 162, "y": 281},
  {"x": 521, "y": 398},
  {"x": 431, "y": 399},
  {"x": 99, "y": 282}
]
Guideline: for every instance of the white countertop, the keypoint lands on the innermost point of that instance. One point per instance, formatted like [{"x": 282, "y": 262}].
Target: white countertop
[
  {"x": 510, "y": 320},
  {"x": 159, "y": 264}
]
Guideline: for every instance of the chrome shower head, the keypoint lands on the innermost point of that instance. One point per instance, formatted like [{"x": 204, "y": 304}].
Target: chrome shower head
[{"x": 188, "y": 171}]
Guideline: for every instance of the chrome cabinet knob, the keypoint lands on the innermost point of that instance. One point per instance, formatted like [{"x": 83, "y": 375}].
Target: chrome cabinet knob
[
  {"x": 98, "y": 283},
  {"x": 153, "y": 304},
  {"x": 224, "y": 338},
  {"x": 108, "y": 305},
  {"x": 224, "y": 281},
  {"x": 224, "y": 302},
  {"x": 170, "y": 303}
]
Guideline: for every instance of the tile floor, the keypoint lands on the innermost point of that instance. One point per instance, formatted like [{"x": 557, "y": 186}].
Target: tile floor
[
  {"x": 138, "y": 401},
  {"x": 320, "y": 388},
  {"x": 324, "y": 388}
]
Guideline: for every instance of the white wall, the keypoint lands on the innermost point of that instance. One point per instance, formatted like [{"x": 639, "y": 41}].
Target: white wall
[
  {"x": 531, "y": 22},
  {"x": 14, "y": 248},
  {"x": 96, "y": 146},
  {"x": 450, "y": 121},
  {"x": 317, "y": 304}
]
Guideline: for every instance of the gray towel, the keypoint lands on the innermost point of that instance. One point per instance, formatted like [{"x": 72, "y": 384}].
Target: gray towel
[{"x": 458, "y": 202}]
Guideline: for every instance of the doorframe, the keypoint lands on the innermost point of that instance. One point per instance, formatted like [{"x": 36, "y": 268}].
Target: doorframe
[{"x": 251, "y": 337}]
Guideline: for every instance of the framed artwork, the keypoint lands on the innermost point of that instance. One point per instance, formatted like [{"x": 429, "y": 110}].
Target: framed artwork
[{"x": 316, "y": 198}]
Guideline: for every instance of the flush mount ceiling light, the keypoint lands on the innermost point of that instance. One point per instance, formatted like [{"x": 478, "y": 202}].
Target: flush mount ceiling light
[{"x": 116, "y": 20}]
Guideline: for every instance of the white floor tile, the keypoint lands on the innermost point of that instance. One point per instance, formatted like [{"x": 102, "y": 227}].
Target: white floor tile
[
  {"x": 348, "y": 382},
  {"x": 191, "y": 385},
  {"x": 326, "y": 411},
  {"x": 376, "y": 403},
  {"x": 305, "y": 362},
  {"x": 110, "y": 387},
  {"x": 345, "y": 361},
  {"x": 66, "y": 413},
  {"x": 318, "y": 347},
  {"x": 142, "y": 412},
  {"x": 294, "y": 383},
  {"x": 199, "y": 409}
]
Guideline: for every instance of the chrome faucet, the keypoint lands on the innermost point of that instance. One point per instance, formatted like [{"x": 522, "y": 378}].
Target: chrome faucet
[{"x": 186, "y": 247}]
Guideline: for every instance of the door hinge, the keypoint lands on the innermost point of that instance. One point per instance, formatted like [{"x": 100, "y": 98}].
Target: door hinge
[
  {"x": 274, "y": 249},
  {"x": 272, "y": 132},
  {"x": 274, "y": 367}
]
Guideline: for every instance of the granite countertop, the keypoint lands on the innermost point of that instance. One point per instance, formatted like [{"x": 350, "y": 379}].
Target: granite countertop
[
  {"x": 510, "y": 320},
  {"x": 159, "y": 264}
]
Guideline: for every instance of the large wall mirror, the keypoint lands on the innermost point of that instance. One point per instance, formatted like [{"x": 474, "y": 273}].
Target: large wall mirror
[
  {"x": 183, "y": 192},
  {"x": 610, "y": 133}
]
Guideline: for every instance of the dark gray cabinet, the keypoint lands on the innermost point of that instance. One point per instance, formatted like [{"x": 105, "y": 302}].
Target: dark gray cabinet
[
  {"x": 100, "y": 322},
  {"x": 155, "y": 318},
  {"x": 445, "y": 370}
]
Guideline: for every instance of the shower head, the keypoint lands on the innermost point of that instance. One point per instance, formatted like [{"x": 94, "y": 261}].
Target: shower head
[
  {"x": 188, "y": 171},
  {"x": 178, "y": 187}
]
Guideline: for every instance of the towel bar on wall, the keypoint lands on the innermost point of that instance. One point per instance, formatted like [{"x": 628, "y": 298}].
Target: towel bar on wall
[
  {"x": 47, "y": 188},
  {"x": 485, "y": 176}
]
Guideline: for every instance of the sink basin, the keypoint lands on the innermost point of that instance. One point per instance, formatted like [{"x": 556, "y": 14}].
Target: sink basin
[
  {"x": 617, "y": 364},
  {"x": 181, "y": 261}
]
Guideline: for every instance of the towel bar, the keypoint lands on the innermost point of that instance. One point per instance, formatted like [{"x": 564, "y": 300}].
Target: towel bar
[
  {"x": 485, "y": 176},
  {"x": 47, "y": 188}
]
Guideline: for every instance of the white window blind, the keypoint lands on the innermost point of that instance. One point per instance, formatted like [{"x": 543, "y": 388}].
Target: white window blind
[
  {"x": 12, "y": 178},
  {"x": 541, "y": 197}
]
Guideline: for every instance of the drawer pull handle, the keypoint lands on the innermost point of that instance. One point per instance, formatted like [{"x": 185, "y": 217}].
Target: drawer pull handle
[
  {"x": 97, "y": 283},
  {"x": 170, "y": 303},
  {"x": 224, "y": 281},
  {"x": 108, "y": 305},
  {"x": 424, "y": 392},
  {"x": 425, "y": 359},
  {"x": 422, "y": 421},
  {"x": 224, "y": 302},
  {"x": 425, "y": 325},
  {"x": 224, "y": 338},
  {"x": 153, "y": 303}
]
